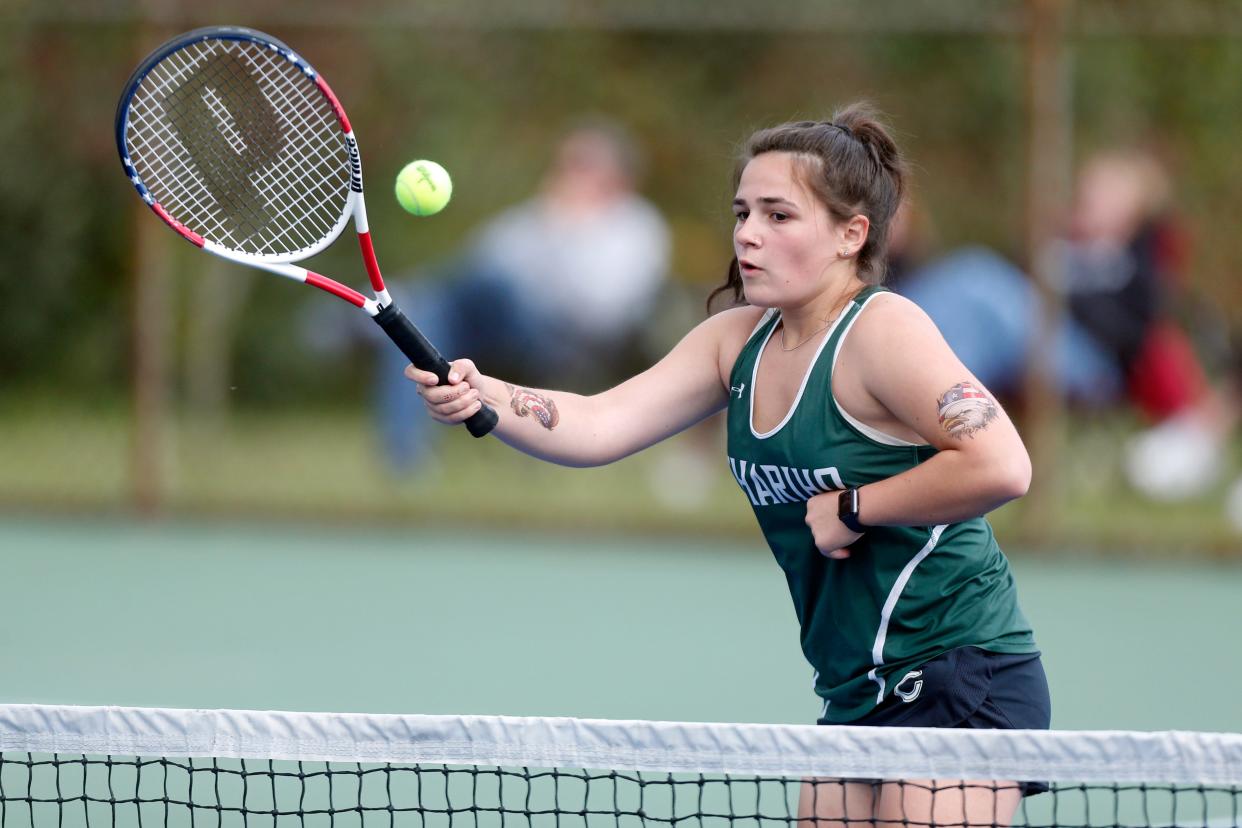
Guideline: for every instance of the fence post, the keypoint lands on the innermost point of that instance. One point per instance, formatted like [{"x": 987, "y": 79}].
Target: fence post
[{"x": 1049, "y": 131}]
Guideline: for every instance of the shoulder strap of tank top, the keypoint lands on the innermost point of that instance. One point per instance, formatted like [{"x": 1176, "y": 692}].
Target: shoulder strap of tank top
[
  {"x": 767, "y": 317},
  {"x": 849, "y": 312}
]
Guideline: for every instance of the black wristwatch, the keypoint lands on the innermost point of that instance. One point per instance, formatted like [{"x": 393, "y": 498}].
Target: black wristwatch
[{"x": 847, "y": 510}]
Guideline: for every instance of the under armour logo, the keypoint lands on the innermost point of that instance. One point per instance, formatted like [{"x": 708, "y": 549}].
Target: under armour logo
[
  {"x": 910, "y": 695},
  {"x": 738, "y": 389}
]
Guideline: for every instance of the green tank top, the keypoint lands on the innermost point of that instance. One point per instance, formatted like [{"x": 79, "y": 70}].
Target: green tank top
[{"x": 907, "y": 593}]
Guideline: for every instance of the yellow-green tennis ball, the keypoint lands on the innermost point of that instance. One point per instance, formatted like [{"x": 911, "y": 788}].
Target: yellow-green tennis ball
[{"x": 423, "y": 188}]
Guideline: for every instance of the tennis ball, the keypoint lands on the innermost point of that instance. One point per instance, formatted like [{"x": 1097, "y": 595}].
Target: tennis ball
[{"x": 423, "y": 188}]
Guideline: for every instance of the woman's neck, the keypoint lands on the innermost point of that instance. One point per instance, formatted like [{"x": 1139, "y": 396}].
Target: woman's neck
[{"x": 801, "y": 322}]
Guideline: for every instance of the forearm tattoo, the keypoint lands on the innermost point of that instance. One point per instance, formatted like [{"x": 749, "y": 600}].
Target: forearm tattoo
[
  {"x": 525, "y": 402},
  {"x": 964, "y": 409}
]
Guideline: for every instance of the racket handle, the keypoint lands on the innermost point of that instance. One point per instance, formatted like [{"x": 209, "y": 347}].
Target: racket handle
[{"x": 425, "y": 357}]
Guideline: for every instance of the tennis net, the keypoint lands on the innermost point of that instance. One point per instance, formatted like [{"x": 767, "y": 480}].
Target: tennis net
[{"x": 106, "y": 766}]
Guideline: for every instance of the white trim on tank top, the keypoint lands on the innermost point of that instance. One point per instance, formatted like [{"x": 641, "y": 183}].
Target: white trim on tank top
[
  {"x": 754, "y": 376},
  {"x": 867, "y": 431},
  {"x": 890, "y": 605}
]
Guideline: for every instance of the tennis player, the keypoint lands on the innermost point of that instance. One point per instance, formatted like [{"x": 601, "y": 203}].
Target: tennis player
[{"x": 867, "y": 451}]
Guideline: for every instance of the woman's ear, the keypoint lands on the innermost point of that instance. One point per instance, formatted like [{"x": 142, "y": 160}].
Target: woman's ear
[{"x": 854, "y": 235}]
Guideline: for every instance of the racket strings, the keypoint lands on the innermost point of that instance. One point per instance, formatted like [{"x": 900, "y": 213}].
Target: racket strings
[
  {"x": 200, "y": 180},
  {"x": 283, "y": 177},
  {"x": 202, "y": 113},
  {"x": 280, "y": 185},
  {"x": 240, "y": 145},
  {"x": 283, "y": 184},
  {"x": 189, "y": 195},
  {"x": 160, "y": 157},
  {"x": 314, "y": 118}
]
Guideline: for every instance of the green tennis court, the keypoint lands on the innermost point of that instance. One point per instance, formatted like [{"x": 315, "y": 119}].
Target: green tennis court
[{"x": 453, "y": 621}]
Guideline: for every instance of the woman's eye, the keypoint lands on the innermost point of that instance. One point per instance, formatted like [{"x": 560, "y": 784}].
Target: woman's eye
[
  {"x": 741, "y": 215},
  {"x": 780, "y": 217}
]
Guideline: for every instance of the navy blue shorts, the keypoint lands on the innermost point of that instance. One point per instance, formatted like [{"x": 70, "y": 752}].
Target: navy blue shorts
[{"x": 969, "y": 687}]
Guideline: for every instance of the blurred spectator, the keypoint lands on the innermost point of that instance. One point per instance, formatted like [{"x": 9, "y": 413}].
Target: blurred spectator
[
  {"x": 1122, "y": 264},
  {"x": 585, "y": 259}
]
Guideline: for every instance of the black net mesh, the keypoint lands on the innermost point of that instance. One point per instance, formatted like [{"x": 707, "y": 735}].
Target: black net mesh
[{"x": 62, "y": 789}]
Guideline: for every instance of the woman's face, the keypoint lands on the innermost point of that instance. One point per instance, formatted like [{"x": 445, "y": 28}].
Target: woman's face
[{"x": 785, "y": 239}]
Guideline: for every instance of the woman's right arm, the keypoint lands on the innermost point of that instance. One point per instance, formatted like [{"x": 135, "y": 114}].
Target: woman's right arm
[{"x": 687, "y": 385}]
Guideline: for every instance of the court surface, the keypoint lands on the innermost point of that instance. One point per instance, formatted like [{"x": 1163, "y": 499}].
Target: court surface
[{"x": 453, "y": 621}]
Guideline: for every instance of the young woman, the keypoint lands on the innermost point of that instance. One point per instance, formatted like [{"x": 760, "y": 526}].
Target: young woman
[{"x": 867, "y": 451}]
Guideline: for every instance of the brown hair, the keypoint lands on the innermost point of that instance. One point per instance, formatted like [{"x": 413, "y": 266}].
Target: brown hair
[{"x": 852, "y": 164}]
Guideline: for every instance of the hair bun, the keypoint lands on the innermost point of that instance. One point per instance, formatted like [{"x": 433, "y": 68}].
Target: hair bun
[{"x": 862, "y": 121}]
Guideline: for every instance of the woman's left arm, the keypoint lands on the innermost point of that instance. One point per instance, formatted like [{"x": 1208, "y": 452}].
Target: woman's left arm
[{"x": 897, "y": 373}]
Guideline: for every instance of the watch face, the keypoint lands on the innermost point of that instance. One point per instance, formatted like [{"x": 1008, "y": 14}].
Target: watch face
[
  {"x": 847, "y": 510},
  {"x": 847, "y": 502}
]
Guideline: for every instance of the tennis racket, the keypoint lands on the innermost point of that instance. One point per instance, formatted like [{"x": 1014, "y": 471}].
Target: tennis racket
[{"x": 240, "y": 146}]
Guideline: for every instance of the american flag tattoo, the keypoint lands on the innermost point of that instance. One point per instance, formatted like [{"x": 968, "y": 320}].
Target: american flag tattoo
[{"x": 965, "y": 409}]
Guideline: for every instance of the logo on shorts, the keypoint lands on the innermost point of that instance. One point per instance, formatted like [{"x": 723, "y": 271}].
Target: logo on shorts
[{"x": 910, "y": 695}]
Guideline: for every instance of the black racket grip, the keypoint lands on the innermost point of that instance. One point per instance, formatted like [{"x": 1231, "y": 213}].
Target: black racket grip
[{"x": 425, "y": 357}]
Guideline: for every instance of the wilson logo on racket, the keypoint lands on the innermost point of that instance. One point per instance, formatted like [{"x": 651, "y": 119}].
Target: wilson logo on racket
[{"x": 355, "y": 164}]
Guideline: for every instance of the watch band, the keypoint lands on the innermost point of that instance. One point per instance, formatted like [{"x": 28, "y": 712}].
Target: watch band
[{"x": 847, "y": 510}]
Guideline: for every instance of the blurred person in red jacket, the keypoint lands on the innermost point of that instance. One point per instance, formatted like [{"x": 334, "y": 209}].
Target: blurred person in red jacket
[
  {"x": 1125, "y": 232},
  {"x": 1123, "y": 265}
]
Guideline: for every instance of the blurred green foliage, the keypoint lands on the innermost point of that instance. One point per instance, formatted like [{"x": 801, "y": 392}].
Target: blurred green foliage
[
  {"x": 489, "y": 105},
  {"x": 488, "y": 99}
]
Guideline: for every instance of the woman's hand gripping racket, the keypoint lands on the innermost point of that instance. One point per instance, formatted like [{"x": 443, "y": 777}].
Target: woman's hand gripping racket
[{"x": 239, "y": 145}]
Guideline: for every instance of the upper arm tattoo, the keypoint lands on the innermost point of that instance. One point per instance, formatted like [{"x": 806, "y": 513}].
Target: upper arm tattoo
[
  {"x": 525, "y": 402},
  {"x": 964, "y": 409}
]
